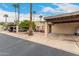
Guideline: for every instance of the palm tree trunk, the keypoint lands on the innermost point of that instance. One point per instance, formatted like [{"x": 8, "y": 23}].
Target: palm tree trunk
[
  {"x": 30, "y": 22},
  {"x": 40, "y": 20},
  {"x": 18, "y": 14},
  {"x": 17, "y": 26},
  {"x": 5, "y": 22},
  {"x": 15, "y": 15},
  {"x": 16, "y": 22}
]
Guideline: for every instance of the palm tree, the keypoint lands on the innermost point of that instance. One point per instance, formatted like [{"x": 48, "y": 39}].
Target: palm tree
[
  {"x": 30, "y": 22},
  {"x": 17, "y": 8},
  {"x": 34, "y": 12},
  {"x": 40, "y": 17},
  {"x": 14, "y": 5},
  {"x": 5, "y": 16}
]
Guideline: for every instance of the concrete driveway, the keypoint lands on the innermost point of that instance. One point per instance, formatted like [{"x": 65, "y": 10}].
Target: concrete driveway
[{"x": 12, "y": 46}]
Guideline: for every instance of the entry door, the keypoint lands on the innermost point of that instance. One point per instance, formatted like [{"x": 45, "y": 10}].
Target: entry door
[{"x": 50, "y": 26}]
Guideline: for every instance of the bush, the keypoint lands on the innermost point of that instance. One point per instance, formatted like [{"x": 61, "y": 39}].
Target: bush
[{"x": 25, "y": 24}]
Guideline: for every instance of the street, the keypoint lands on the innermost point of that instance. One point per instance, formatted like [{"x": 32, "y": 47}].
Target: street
[{"x": 12, "y": 46}]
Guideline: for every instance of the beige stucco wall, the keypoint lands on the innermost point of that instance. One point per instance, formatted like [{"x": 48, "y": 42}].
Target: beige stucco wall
[
  {"x": 65, "y": 28},
  {"x": 40, "y": 24}
]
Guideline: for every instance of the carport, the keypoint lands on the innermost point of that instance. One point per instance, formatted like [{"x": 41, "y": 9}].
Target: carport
[
  {"x": 62, "y": 24},
  {"x": 11, "y": 27},
  {"x": 63, "y": 21}
]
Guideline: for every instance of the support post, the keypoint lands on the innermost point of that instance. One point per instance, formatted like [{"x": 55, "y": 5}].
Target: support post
[
  {"x": 17, "y": 28},
  {"x": 46, "y": 29}
]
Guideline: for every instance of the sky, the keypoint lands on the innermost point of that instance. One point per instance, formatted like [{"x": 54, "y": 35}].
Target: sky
[{"x": 44, "y": 9}]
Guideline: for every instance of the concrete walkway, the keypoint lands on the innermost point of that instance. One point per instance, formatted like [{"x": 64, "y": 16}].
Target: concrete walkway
[{"x": 62, "y": 42}]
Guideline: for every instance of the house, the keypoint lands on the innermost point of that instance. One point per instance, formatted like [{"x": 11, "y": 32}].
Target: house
[
  {"x": 11, "y": 27},
  {"x": 40, "y": 26},
  {"x": 62, "y": 24}
]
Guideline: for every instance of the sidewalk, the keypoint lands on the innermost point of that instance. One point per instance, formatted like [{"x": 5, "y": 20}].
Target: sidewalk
[{"x": 55, "y": 41}]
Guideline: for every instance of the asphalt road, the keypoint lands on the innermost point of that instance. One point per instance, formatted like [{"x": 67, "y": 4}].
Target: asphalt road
[{"x": 12, "y": 46}]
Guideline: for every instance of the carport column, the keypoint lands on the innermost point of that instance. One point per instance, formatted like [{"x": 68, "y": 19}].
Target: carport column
[
  {"x": 16, "y": 28},
  {"x": 46, "y": 29}
]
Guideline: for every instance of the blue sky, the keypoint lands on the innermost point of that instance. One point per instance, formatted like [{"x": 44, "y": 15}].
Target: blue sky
[
  {"x": 38, "y": 7},
  {"x": 44, "y": 9}
]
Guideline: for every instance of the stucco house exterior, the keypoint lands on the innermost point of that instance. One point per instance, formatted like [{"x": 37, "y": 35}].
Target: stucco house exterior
[
  {"x": 40, "y": 26},
  {"x": 62, "y": 24}
]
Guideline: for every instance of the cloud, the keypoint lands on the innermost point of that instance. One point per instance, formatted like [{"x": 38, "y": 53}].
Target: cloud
[
  {"x": 48, "y": 9},
  {"x": 67, "y": 7},
  {"x": 52, "y": 10},
  {"x": 61, "y": 8},
  {"x": 37, "y": 18},
  {"x": 11, "y": 16}
]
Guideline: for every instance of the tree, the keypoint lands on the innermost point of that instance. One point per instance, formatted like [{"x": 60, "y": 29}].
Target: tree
[
  {"x": 25, "y": 25},
  {"x": 30, "y": 22},
  {"x": 17, "y": 8},
  {"x": 33, "y": 25},
  {"x": 34, "y": 12},
  {"x": 40, "y": 17},
  {"x": 2, "y": 23},
  {"x": 14, "y": 5},
  {"x": 5, "y": 16}
]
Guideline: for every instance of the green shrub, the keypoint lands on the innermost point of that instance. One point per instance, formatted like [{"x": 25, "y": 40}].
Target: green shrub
[{"x": 25, "y": 24}]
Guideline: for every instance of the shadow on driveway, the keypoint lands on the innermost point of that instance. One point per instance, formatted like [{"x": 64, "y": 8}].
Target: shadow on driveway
[{"x": 12, "y": 46}]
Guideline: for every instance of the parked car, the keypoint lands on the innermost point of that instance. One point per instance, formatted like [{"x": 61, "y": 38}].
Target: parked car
[
  {"x": 22, "y": 30},
  {"x": 10, "y": 29}
]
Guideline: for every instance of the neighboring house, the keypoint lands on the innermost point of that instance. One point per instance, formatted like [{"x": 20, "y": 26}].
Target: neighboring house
[
  {"x": 40, "y": 26},
  {"x": 11, "y": 27},
  {"x": 62, "y": 24}
]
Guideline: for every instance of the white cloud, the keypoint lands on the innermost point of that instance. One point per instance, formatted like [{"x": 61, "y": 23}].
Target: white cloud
[
  {"x": 51, "y": 10},
  {"x": 67, "y": 7},
  {"x": 11, "y": 16},
  {"x": 62, "y": 8},
  {"x": 48, "y": 9}
]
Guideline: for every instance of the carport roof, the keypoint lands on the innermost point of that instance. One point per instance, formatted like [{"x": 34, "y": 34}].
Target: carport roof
[
  {"x": 62, "y": 15},
  {"x": 64, "y": 18}
]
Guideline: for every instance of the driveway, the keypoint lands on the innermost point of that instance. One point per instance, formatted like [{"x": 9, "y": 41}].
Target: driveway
[{"x": 12, "y": 46}]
